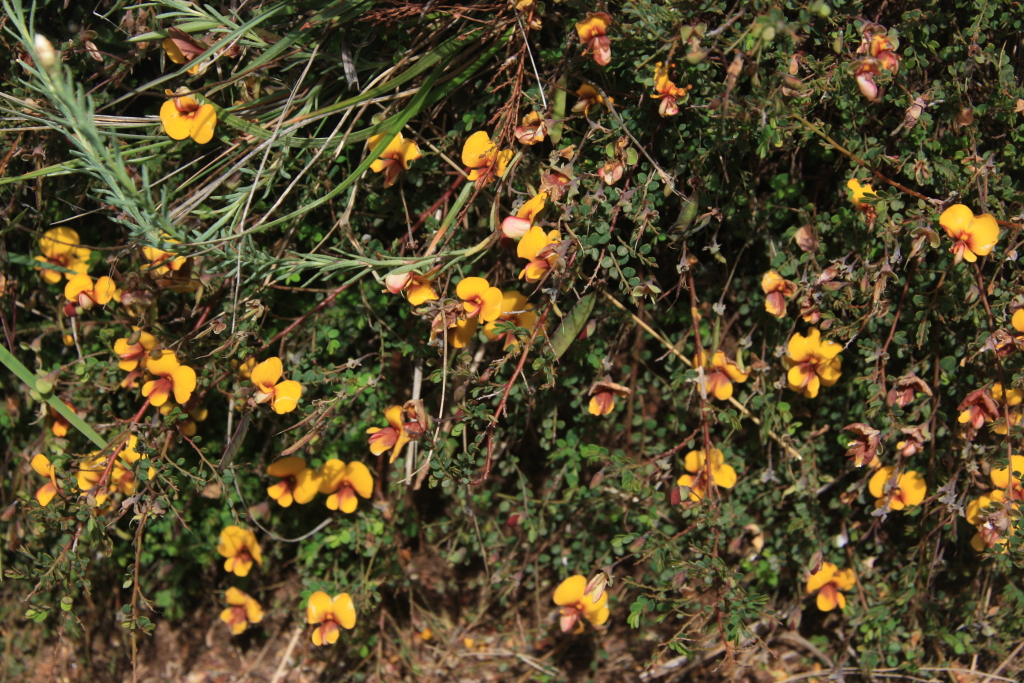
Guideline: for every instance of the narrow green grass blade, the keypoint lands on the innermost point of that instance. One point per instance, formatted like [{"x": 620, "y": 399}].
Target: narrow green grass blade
[{"x": 26, "y": 376}]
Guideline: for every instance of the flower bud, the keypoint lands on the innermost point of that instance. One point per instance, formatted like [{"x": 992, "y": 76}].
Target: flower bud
[
  {"x": 514, "y": 227},
  {"x": 46, "y": 56},
  {"x": 595, "y": 587},
  {"x": 396, "y": 282}
]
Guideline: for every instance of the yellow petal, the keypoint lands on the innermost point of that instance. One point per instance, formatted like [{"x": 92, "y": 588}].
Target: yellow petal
[
  {"x": 532, "y": 243},
  {"x": 265, "y": 375},
  {"x": 725, "y": 476},
  {"x": 184, "y": 379},
  {"x": 344, "y": 611},
  {"x": 203, "y": 123},
  {"x": 359, "y": 478},
  {"x": 176, "y": 124},
  {"x": 913, "y": 487},
  {"x": 59, "y": 241},
  {"x": 319, "y": 608},
  {"x": 163, "y": 366},
  {"x": 876, "y": 485},
  {"x": 955, "y": 220},
  {"x": 41, "y": 465},
  {"x": 477, "y": 149},
  {"x": 286, "y": 467},
  {"x": 286, "y": 397},
  {"x": 822, "y": 577},
  {"x": 984, "y": 233},
  {"x": 570, "y": 591},
  {"x": 470, "y": 288},
  {"x": 79, "y": 284}
]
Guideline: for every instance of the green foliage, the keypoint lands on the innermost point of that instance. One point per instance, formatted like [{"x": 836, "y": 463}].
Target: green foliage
[{"x": 541, "y": 447}]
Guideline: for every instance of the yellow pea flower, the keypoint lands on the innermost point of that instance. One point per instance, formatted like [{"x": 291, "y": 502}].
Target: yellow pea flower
[
  {"x": 41, "y": 466},
  {"x": 171, "y": 376},
  {"x": 395, "y": 158},
  {"x": 828, "y": 583},
  {"x": 60, "y": 248},
  {"x": 484, "y": 158},
  {"x": 858, "y": 192},
  {"x": 532, "y": 130},
  {"x": 588, "y": 98},
  {"x": 777, "y": 290},
  {"x": 973, "y": 236},
  {"x": 283, "y": 396},
  {"x": 393, "y": 437},
  {"x": 342, "y": 482},
  {"x": 183, "y": 117},
  {"x": 602, "y": 397},
  {"x": 298, "y": 483},
  {"x": 577, "y": 605},
  {"x": 910, "y": 488},
  {"x": 539, "y": 249},
  {"x": 515, "y": 309},
  {"x": 131, "y": 356},
  {"x": 479, "y": 299},
  {"x": 80, "y": 290},
  {"x": 330, "y": 614},
  {"x": 242, "y": 610},
  {"x": 419, "y": 289},
  {"x": 813, "y": 363},
  {"x": 719, "y": 374},
  {"x": 668, "y": 92},
  {"x": 593, "y": 32},
  {"x": 240, "y": 548},
  {"x": 163, "y": 261},
  {"x": 515, "y": 227},
  {"x": 697, "y": 481}
]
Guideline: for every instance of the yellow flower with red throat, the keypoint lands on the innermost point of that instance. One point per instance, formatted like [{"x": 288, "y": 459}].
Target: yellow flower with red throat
[
  {"x": 242, "y": 610},
  {"x": 455, "y": 331},
  {"x": 330, "y": 614},
  {"x": 668, "y": 92},
  {"x": 777, "y": 290},
  {"x": 858, "y": 192},
  {"x": 342, "y": 482},
  {"x": 515, "y": 309},
  {"x": 602, "y": 397},
  {"x": 989, "y": 515},
  {"x": 593, "y": 32},
  {"x": 183, "y": 117},
  {"x": 973, "y": 236},
  {"x": 904, "y": 491},
  {"x": 282, "y": 396},
  {"x": 181, "y": 48},
  {"x": 698, "y": 481},
  {"x": 59, "y": 425},
  {"x": 60, "y": 248},
  {"x": 393, "y": 437},
  {"x": 1007, "y": 399},
  {"x": 813, "y": 363},
  {"x": 134, "y": 350},
  {"x": 298, "y": 483},
  {"x": 419, "y": 289},
  {"x": 395, "y": 158},
  {"x": 162, "y": 261},
  {"x": 171, "y": 376},
  {"x": 240, "y": 549},
  {"x": 828, "y": 583},
  {"x": 990, "y": 512},
  {"x": 577, "y": 605},
  {"x": 484, "y": 159},
  {"x": 720, "y": 373},
  {"x": 479, "y": 299},
  {"x": 515, "y": 227},
  {"x": 588, "y": 98},
  {"x": 88, "y": 476},
  {"x": 533, "y": 129},
  {"x": 81, "y": 291},
  {"x": 1009, "y": 479},
  {"x": 541, "y": 250},
  {"x": 41, "y": 465}
]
